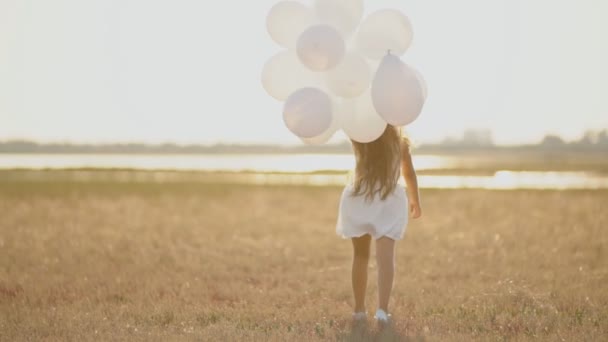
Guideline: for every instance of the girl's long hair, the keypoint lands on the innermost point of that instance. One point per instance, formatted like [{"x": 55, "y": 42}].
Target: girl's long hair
[{"x": 377, "y": 162}]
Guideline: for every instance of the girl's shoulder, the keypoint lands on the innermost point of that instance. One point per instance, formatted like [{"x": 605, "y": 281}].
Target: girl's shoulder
[{"x": 405, "y": 145}]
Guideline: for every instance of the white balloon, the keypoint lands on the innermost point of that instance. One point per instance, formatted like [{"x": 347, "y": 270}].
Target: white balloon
[
  {"x": 330, "y": 132},
  {"x": 360, "y": 121},
  {"x": 343, "y": 15},
  {"x": 383, "y": 31},
  {"x": 351, "y": 77},
  {"x": 321, "y": 48},
  {"x": 397, "y": 92},
  {"x": 283, "y": 74},
  {"x": 308, "y": 112},
  {"x": 287, "y": 20},
  {"x": 423, "y": 84}
]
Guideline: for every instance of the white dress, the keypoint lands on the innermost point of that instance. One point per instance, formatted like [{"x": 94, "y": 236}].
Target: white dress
[{"x": 378, "y": 218}]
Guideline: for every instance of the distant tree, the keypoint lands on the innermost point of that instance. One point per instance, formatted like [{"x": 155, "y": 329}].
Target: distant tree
[
  {"x": 602, "y": 138},
  {"x": 552, "y": 141},
  {"x": 450, "y": 141},
  {"x": 470, "y": 138},
  {"x": 588, "y": 139},
  {"x": 477, "y": 137}
]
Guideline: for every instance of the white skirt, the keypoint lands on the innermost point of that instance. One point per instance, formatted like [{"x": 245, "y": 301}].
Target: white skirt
[{"x": 378, "y": 218}]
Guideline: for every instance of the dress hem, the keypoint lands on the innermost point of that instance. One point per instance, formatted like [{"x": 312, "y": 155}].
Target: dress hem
[{"x": 376, "y": 237}]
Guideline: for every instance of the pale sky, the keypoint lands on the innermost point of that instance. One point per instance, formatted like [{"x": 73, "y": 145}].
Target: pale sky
[{"x": 188, "y": 71}]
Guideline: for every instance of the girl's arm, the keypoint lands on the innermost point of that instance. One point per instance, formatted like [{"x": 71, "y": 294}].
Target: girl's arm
[{"x": 409, "y": 174}]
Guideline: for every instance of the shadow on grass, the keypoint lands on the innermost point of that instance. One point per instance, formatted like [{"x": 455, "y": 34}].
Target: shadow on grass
[{"x": 364, "y": 331}]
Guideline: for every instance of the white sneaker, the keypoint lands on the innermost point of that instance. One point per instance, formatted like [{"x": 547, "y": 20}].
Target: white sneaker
[{"x": 382, "y": 317}]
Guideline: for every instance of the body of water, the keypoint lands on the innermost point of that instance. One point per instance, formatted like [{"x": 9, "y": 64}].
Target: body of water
[
  {"x": 223, "y": 162},
  {"x": 279, "y": 169}
]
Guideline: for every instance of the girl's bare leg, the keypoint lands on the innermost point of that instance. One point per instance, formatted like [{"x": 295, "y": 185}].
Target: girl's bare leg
[
  {"x": 385, "y": 258},
  {"x": 361, "y": 246}
]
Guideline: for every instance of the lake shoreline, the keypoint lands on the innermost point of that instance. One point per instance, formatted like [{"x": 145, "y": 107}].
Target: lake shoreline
[{"x": 496, "y": 180}]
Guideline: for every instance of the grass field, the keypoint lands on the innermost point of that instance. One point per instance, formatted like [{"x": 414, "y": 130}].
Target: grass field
[{"x": 191, "y": 261}]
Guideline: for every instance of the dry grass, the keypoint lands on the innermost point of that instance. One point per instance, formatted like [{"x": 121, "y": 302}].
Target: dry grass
[{"x": 109, "y": 261}]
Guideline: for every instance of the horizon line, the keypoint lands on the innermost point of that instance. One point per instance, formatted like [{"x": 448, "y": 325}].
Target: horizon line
[{"x": 481, "y": 134}]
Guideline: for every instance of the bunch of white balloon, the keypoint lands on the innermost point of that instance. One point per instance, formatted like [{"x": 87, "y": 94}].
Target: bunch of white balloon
[{"x": 325, "y": 72}]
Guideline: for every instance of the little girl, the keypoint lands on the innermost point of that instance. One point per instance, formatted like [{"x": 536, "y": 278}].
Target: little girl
[{"x": 375, "y": 205}]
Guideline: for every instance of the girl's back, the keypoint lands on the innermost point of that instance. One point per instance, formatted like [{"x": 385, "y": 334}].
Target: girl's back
[{"x": 374, "y": 202}]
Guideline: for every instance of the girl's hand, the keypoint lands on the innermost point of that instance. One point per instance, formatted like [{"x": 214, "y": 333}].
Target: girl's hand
[{"x": 415, "y": 211}]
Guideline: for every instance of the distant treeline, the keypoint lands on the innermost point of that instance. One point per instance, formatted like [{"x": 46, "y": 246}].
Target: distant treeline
[
  {"x": 20, "y": 146},
  {"x": 471, "y": 141}
]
